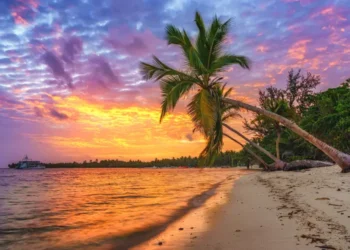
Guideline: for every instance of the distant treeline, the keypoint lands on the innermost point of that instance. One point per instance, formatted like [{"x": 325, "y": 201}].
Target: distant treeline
[{"x": 228, "y": 158}]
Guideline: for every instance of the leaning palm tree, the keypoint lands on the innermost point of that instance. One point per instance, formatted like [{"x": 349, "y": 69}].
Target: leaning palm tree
[
  {"x": 278, "y": 163},
  {"x": 206, "y": 61},
  {"x": 214, "y": 145},
  {"x": 258, "y": 158}
]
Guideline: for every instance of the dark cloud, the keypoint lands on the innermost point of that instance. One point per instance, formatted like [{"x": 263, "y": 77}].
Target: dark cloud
[
  {"x": 102, "y": 71},
  {"x": 71, "y": 48},
  {"x": 58, "y": 115},
  {"x": 133, "y": 45},
  {"x": 38, "y": 112},
  {"x": 189, "y": 137},
  {"x": 57, "y": 68}
]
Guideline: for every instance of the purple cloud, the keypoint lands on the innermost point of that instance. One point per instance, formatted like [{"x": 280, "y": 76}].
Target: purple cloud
[
  {"x": 58, "y": 115},
  {"x": 57, "y": 68},
  {"x": 102, "y": 71},
  {"x": 38, "y": 112},
  {"x": 71, "y": 48}
]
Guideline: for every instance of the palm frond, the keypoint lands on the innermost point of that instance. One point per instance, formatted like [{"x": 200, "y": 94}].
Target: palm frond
[
  {"x": 173, "y": 88},
  {"x": 201, "y": 42},
  {"x": 192, "y": 55},
  {"x": 202, "y": 110},
  {"x": 214, "y": 145},
  {"x": 228, "y": 92},
  {"x": 220, "y": 64},
  {"x": 216, "y": 36},
  {"x": 174, "y": 35},
  {"x": 158, "y": 70},
  {"x": 229, "y": 115}
]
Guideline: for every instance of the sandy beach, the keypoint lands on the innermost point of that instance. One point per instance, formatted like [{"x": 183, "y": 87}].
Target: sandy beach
[{"x": 277, "y": 210}]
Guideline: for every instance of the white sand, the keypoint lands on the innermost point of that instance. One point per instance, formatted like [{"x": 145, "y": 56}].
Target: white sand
[{"x": 279, "y": 210}]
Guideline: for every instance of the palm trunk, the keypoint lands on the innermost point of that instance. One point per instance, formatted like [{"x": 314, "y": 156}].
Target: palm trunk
[
  {"x": 340, "y": 158},
  {"x": 278, "y": 145},
  {"x": 278, "y": 163},
  {"x": 266, "y": 167}
]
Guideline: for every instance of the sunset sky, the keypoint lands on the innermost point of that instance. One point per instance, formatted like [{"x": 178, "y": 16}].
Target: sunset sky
[{"x": 70, "y": 87}]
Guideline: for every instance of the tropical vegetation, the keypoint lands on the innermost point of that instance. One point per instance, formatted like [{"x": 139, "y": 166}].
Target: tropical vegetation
[{"x": 202, "y": 79}]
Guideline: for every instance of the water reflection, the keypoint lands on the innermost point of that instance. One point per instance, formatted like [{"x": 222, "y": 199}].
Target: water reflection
[{"x": 71, "y": 208}]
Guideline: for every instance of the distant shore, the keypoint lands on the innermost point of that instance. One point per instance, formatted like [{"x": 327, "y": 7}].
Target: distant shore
[{"x": 279, "y": 210}]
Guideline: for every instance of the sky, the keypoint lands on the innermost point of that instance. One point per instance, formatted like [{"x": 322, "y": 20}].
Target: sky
[{"x": 70, "y": 87}]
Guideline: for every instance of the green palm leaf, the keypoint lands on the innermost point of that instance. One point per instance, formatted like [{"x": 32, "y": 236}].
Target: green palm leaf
[
  {"x": 173, "y": 89},
  {"x": 202, "y": 110},
  {"x": 220, "y": 64}
]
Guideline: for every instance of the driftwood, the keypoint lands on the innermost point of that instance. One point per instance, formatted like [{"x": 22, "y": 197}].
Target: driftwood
[{"x": 305, "y": 164}]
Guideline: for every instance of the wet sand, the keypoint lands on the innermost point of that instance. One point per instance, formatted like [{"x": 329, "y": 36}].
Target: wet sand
[{"x": 279, "y": 210}]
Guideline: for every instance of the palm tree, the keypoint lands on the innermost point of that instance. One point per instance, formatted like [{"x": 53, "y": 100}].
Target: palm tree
[
  {"x": 278, "y": 163},
  {"x": 215, "y": 140},
  {"x": 258, "y": 158},
  {"x": 205, "y": 61}
]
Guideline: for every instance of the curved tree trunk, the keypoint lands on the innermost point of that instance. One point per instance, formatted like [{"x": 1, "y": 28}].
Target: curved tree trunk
[
  {"x": 305, "y": 164},
  {"x": 340, "y": 158},
  {"x": 266, "y": 167},
  {"x": 278, "y": 145},
  {"x": 278, "y": 163}
]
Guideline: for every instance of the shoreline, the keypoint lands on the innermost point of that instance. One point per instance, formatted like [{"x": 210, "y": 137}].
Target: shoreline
[{"x": 268, "y": 210}]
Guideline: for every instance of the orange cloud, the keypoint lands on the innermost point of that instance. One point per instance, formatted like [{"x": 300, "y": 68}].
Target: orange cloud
[
  {"x": 262, "y": 48},
  {"x": 298, "y": 50},
  {"x": 256, "y": 85},
  {"x": 107, "y": 131}
]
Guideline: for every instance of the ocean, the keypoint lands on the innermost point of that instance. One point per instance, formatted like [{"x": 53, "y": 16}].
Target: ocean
[{"x": 98, "y": 208}]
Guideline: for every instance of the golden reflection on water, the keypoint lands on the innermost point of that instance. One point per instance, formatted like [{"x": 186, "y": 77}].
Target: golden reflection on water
[{"x": 74, "y": 208}]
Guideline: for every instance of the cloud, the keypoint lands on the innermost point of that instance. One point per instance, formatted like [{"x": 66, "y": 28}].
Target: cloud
[
  {"x": 102, "y": 73},
  {"x": 133, "y": 43},
  {"x": 38, "y": 112},
  {"x": 71, "y": 48},
  {"x": 57, "y": 68},
  {"x": 299, "y": 49},
  {"x": 23, "y": 11},
  {"x": 189, "y": 137},
  {"x": 58, "y": 115}
]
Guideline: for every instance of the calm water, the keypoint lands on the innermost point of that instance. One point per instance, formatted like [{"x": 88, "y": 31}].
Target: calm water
[{"x": 91, "y": 208}]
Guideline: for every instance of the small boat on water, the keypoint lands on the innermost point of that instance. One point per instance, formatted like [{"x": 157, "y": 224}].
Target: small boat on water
[{"x": 27, "y": 163}]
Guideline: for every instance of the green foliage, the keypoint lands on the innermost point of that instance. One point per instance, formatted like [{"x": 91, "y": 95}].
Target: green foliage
[
  {"x": 328, "y": 117},
  {"x": 223, "y": 113},
  {"x": 290, "y": 103},
  {"x": 202, "y": 110}
]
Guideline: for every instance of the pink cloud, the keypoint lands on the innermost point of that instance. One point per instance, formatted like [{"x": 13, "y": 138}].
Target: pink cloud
[{"x": 298, "y": 49}]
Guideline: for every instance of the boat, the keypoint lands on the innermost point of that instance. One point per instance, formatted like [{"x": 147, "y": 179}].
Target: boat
[{"x": 28, "y": 163}]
